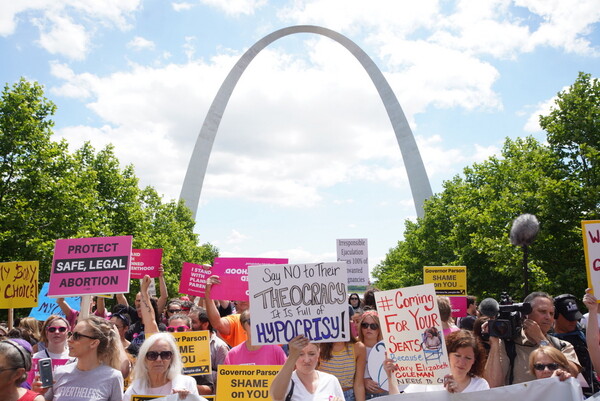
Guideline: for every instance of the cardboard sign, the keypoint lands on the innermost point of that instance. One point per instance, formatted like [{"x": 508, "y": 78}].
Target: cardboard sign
[
  {"x": 90, "y": 266},
  {"x": 245, "y": 382},
  {"x": 355, "y": 252},
  {"x": 448, "y": 280},
  {"x": 289, "y": 300},
  {"x": 193, "y": 279},
  {"x": 194, "y": 347},
  {"x": 591, "y": 248},
  {"x": 233, "y": 273},
  {"x": 145, "y": 262},
  {"x": 19, "y": 284},
  {"x": 47, "y": 306},
  {"x": 412, "y": 331}
]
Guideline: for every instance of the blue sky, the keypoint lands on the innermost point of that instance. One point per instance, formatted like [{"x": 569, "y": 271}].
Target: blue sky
[{"x": 305, "y": 153}]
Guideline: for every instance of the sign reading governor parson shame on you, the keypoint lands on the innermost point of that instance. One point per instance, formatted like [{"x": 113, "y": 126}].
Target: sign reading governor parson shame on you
[
  {"x": 90, "y": 266},
  {"x": 289, "y": 300}
]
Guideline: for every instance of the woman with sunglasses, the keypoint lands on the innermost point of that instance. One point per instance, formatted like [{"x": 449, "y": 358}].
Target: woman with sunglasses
[
  {"x": 15, "y": 362},
  {"x": 370, "y": 334},
  {"x": 95, "y": 374},
  {"x": 54, "y": 337},
  {"x": 547, "y": 361},
  {"x": 158, "y": 370}
]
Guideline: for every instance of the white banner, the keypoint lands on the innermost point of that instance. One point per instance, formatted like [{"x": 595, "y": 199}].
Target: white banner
[
  {"x": 544, "y": 389},
  {"x": 355, "y": 252},
  {"x": 289, "y": 300}
]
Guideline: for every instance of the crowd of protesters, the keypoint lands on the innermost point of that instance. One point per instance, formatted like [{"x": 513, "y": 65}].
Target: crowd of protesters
[{"x": 113, "y": 355}]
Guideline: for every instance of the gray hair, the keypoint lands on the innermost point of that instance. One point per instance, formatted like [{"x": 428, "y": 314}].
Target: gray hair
[{"x": 140, "y": 371}]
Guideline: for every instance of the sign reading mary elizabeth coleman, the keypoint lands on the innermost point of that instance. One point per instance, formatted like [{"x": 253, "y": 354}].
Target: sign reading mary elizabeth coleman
[{"x": 90, "y": 266}]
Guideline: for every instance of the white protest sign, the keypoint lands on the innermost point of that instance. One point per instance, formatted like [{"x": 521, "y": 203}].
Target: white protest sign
[
  {"x": 591, "y": 247},
  {"x": 293, "y": 299},
  {"x": 355, "y": 252},
  {"x": 412, "y": 331}
]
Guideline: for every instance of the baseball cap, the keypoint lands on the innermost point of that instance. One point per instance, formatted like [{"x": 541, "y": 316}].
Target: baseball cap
[{"x": 566, "y": 305}]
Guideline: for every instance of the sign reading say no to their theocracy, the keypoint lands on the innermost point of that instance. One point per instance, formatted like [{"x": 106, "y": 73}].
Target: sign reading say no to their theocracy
[
  {"x": 308, "y": 299},
  {"x": 90, "y": 266}
]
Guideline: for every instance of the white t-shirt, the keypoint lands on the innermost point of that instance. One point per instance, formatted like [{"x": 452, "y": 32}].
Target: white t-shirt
[
  {"x": 47, "y": 354},
  {"x": 328, "y": 386},
  {"x": 476, "y": 384},
  {"x": 584, "y": 319},
  {"x": 181, "y": 382}
]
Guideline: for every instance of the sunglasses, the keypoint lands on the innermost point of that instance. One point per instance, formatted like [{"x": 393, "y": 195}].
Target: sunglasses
[
  {"x": 372, "y": 326},
  {"x": 174, "y": 310},
  {"x": 354, "y": 299},
  {"x": 172, "y": 329},
  {"x": 550, "y": 366},
  {"x": 54, "y": 329},
  {"x": 164, "y": 355},
  {"x": 77, "y": 336}
]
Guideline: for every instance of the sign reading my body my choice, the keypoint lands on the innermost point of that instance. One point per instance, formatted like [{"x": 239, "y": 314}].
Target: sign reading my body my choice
[
  {"x": 289, "y": 300},
  {"x": 90, "y": 266}
]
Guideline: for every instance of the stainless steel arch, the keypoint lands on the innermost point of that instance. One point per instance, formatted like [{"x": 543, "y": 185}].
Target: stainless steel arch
[{"x": 417, "y": 176}]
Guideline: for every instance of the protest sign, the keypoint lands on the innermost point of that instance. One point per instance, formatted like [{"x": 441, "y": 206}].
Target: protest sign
[
  {"x": 459, "y": 306},
  {"x": 448, "y": 280},
  {"x": 245, "y": 382},
  {"x": 233, "y": 273},
  {"x": 19, "y": 284},
  {"x": 47, "y": 306},
  {"x": 145, "y": 262},
  {"x": 289, "y": 300},
  {"x": 355, "y": 252},
  {"x": 90, "y": 266},
  {"x": 193, "y": 279},
  {"x": 591, "y": 248},
  {"x": 34, "y": 371},
  {"x": 194, "y": 347},
  {"x": 412, "y": 331}
]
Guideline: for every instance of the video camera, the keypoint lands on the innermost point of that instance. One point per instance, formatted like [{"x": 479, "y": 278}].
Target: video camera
[{"x": 509, "y": 321}]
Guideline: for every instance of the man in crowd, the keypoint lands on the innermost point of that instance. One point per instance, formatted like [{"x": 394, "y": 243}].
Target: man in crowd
[
  {"x": 566, "y": 328},
  {"x": 508, "y": 360},
  {"x": 218, "y": 347},
  {"x": 229, "y": 327}
]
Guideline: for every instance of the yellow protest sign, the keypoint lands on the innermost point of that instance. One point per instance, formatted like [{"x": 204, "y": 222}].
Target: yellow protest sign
[
  {"x": 194, "y": 347},
  {"x": 245, "y": 382},
  {"x": 19, "y": 284},
  {"x": 448, "y": 280}
]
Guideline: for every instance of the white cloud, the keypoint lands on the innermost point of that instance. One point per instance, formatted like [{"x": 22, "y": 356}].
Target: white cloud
[
  {"x": 184, "y": 6},
  {"x": 235, "y": 237},
  {"x": 541, "y": 109},
  {"x": 236, "y": 7},
  {"x": 138, "y": 43},
  {"x": 67, "y": 26}
]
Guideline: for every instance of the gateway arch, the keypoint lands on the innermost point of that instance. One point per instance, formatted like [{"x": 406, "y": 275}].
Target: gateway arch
[{"x": 417, "y": 176}]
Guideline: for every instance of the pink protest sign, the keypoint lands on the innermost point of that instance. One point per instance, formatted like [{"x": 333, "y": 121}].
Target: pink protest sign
[
  {"x": 145, "y": 262},
  {"x": 90, "y": 266},
  {"x": 193, "y": 279},
  {"x": 233, "y": 273},
  {"x": 34, "y": 371},
  {"x": 459, "y": 306}
]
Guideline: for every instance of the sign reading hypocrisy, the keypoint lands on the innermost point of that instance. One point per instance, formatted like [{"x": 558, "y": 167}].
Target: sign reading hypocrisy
[
  {"x": 307, "y": 299},
  {"x": 412, "y": 331},
  {"x": 90, "y": 266}
]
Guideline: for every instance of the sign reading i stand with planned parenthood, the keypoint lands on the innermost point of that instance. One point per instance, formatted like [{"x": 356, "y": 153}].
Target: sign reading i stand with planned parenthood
[
  {"x": 355, "y": 252},
  {"x": 90, "y": 266},
  {"x": 308, "y": 299}
]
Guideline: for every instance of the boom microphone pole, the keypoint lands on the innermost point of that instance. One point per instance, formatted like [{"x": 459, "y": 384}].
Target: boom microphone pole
[{"x": 523, "y": 232}]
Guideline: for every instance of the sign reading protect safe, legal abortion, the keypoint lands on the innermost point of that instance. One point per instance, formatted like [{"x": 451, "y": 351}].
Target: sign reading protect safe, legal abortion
[
  {"x": 448, "y": 280},
  {"x": 412, "y": 331},
  {"x": 90, "y": 266},
  {"x": 591, "y": 247},
  {"x": 19, "y": 284},
  {"x": 308, "y": 299}
]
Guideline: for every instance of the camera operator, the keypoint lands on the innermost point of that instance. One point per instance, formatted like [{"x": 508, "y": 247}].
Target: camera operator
[
  {"x": 566, "y": 328},
  {"x": 508, "y": 360}
]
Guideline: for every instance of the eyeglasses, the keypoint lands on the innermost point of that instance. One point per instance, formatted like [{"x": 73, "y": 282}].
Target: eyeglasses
[
  {"x": 4, "y": 369},
  {"x": 372, "y": 326},
  {"x": 551, "y": 366},
  {"x": 172, "y": 329},
  {"x": 354, "y": 299},
  {"x": 164, "y": 355},
  {"x": 174, "y": 310},
  {"x": 77, "y": 336},
  {"x": 54, "y": 329}
]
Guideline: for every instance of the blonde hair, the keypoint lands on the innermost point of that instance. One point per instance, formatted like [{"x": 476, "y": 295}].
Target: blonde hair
[
  {"x": 31, "y": 324},
  {"x": 551, "y": 353},
  {"x": 109, "y": 349}
]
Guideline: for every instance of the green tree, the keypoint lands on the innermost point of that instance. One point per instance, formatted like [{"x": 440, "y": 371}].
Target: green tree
[
  {"x": 47, "y": 193},
  {"x": 468, "y": 223}
]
